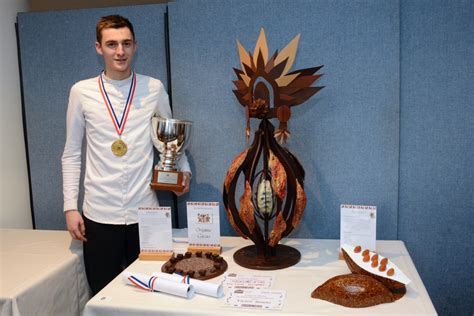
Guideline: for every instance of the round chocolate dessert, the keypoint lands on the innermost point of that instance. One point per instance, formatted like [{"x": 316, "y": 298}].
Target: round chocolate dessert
[{"x": 197, "y": 265}]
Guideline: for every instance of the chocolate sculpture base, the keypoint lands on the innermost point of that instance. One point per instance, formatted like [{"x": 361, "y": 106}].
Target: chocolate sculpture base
[{"x": 285, "y": 257}]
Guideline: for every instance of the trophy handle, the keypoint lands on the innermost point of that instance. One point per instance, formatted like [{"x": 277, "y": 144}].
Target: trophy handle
[{"x": 154, "y": 137}]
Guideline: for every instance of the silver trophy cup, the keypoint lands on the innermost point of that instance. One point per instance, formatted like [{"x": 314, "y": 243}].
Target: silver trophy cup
[{"x": 170, "y": 137}]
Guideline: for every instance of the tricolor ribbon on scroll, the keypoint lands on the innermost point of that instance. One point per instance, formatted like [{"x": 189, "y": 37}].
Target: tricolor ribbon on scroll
[{"x": 158, "y": 284}]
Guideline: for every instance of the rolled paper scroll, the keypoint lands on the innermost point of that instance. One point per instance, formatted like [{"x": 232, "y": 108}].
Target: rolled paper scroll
[
  {"x": 152, "y": 283},
  {"x": 200, "y": 287}
]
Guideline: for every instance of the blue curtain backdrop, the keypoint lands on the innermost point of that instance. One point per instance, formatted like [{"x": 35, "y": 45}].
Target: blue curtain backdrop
[
  {"x": 393, "y": 127},
  {"x": 437, "y": 148},
  {"x": 346, "y": 137}
]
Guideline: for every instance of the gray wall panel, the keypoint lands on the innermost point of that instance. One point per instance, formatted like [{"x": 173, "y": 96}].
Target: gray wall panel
[
  {"x": 346, "y": 136},
  {"x": 437, "y": 148}
]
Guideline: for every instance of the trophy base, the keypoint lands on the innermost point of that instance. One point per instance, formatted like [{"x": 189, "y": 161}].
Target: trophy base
[{"x": 167, "y": 181}]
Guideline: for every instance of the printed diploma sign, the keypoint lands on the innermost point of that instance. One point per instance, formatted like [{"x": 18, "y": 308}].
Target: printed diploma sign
[{"x": 170, "y": 137}]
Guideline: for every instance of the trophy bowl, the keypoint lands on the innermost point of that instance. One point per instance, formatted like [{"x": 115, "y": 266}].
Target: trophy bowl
[{"x": 171, "y": 138}]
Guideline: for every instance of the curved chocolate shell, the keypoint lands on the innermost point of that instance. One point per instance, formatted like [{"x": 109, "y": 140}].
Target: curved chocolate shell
[
  {"x": 278, "y": 176},
  {"x": 353, "y": 290},
  {"x": 233, "y": 224},
  {"x": 246, "y": 212},
  {"x": 234, "y": 166},
  {"x": 278, "y": 228},
  {"x": 398, "y": 289},
  {"x": 300, "y": 204}
]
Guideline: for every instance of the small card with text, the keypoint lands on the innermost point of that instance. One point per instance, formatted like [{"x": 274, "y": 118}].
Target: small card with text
[
  {"x": 358, "y": 225},
  {"x": 155, "y": 232},
  {"x": 262, "y": 299},
  {"x": 203, "y": 224}
]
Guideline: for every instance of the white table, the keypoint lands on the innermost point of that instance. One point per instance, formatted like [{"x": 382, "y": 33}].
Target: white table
[
  {"x": 319, "y": 263},
  {"x": 41, "y": 273}
]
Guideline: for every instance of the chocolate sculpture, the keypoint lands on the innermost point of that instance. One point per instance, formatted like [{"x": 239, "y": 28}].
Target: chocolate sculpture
[
  {"x": 273, "y": 199},
  {"x": 374, "y": 280}
]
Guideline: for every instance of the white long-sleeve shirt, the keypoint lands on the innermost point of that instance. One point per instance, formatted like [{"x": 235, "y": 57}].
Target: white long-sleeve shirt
[{"x": 114, "y": 186}]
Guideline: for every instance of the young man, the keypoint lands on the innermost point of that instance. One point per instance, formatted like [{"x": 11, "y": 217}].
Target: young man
[{"x": 113, "y": 111}]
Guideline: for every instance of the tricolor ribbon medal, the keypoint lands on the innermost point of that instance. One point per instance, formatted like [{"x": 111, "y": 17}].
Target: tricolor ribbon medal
[{"x": 119, "y": 147}]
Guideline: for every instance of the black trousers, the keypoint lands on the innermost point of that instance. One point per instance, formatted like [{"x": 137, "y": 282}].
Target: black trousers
[{"x": 109, "y": 249}]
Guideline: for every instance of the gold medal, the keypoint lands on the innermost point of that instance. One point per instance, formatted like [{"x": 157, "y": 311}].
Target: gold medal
[{"x": 119, "y": 148}]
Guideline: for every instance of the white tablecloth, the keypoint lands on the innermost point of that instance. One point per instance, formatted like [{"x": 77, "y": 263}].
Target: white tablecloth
[
  {"x": 319, "y": 263},
  {"x": 41, "y": 273}
]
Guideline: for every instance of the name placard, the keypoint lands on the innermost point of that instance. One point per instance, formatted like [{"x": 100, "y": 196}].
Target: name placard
[
  {"x": 203, "y": 224},
  {"x": 358, "y": 225},
  {"x": 155, "y": 233}
]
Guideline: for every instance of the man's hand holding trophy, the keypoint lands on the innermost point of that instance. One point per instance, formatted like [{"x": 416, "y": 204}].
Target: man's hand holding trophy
[{"x": 170, "y": 137}]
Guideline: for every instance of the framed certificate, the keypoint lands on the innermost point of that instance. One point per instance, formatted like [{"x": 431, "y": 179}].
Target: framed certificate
[
  {"x": 204, "y": 226},
  {"x": 358, "y": 225},
  {"x": 155, "y": 232}
]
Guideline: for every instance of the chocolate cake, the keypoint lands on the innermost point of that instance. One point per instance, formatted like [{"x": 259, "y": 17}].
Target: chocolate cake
[{"x": 196, "y": 265}]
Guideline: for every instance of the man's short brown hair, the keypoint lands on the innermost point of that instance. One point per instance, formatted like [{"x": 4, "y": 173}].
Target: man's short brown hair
[{"x": 112, "y": 22}]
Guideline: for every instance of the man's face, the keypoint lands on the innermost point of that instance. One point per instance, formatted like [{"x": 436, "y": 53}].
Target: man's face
[{"x": 117, "y": 47}]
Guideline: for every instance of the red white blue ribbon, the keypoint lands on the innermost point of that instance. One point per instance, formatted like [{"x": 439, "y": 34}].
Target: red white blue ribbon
[
  {"x": 158, "y": 284},
  {"x": 119, "y": 125},
  {"x": 186, "y": 279},
  {"x": 138, "y": 283}
]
